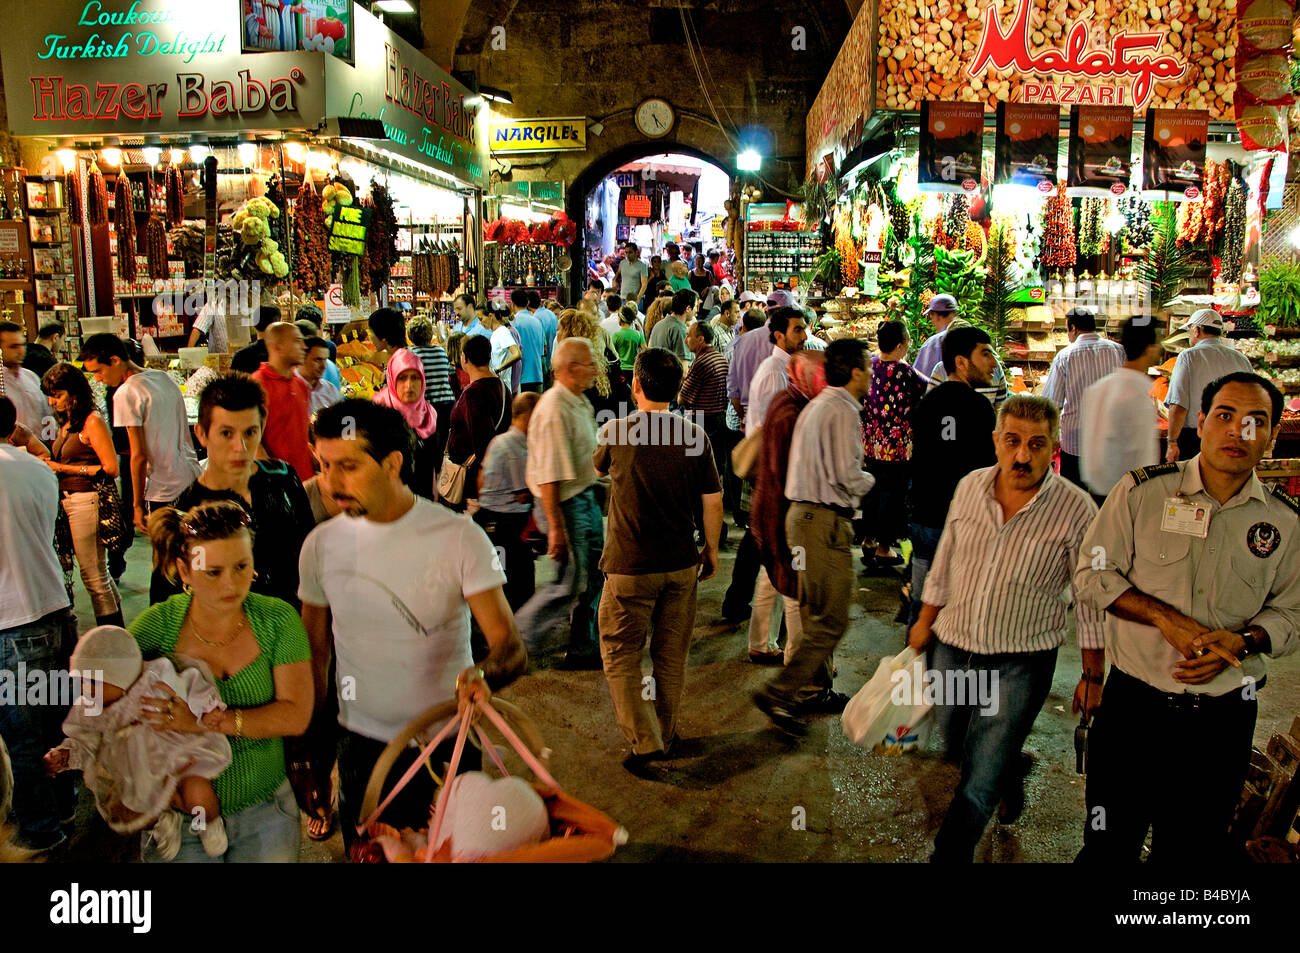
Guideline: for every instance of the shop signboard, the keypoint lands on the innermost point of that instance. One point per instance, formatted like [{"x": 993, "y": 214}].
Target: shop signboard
[
  {"x": 431, "y": 119},
  {"x": 1173, "y": 154},
  {"x": 284, "y": 26},
  {"x": 951, "y": 147},
  {"x": 135, "y": 67},
  {"x": 637, "y": 206},
  {"x": 537, "y": 135},
  {"x": 348, "y": 229},
  {"x": 1028, "y": 136},
  {"x": 1101, "y": 151},
  {"x": 1110, "y": 52}
]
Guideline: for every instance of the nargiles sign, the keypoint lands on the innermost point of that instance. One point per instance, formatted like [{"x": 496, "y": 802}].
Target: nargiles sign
[{"x": 1127, "y": 69}]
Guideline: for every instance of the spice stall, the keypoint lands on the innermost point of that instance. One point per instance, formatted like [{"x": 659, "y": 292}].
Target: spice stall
[{"x": 1030, "y": 156}]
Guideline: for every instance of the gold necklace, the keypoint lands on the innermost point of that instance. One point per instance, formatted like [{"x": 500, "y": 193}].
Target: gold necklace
[{"x": 219, "y": 645}]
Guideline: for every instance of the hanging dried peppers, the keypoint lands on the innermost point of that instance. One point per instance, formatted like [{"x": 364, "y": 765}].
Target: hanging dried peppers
[
  {"x": 1058, "y": 232},
  {"x": 311, "y": 258},
  {"x": 1234, "y": 231},
  {"x": 175, "y": 199},
  {"x": 381, "y": 239},
  {"x": 154, "y": 242}
]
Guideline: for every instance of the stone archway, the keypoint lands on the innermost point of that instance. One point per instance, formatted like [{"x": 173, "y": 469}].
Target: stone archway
[{"x": 598, "y": 169}]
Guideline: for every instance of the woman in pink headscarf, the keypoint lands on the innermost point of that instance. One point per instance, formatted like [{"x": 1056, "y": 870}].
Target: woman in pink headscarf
[
  {"x": 405, "y": 394},
  {"x": 768, "y": 505}
]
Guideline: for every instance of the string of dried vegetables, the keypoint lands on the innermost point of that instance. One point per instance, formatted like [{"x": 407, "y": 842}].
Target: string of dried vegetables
[
  {"x": 96, "y": 197},
  {"x": 1058, "y": 232},
  {"x": 311, "y": 258},
  {"x": 1234, "y": 231},
  {"x": 175, "y": 198},
  {"x": 154, "y": 241},
  {"x": 124, "y": 226},
  {"x": 381, "y": 239},
  {"x": 352, "y": 283},
  {"x": 1090, "y": 231}
]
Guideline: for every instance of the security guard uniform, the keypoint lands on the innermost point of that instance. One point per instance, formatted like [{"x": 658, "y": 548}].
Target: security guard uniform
[{"x": 1164, "y": 754}]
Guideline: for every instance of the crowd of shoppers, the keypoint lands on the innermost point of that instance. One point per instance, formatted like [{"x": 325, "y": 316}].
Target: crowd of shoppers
[{"x": 333, "y": 592}]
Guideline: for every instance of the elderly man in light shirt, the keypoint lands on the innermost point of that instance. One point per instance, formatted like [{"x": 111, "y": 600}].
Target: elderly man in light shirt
[
  {"x": 787, "y": 334},
  {"x": 1208, "y": 359},
  {"x": 561, "y": 441},
  {"x": 825, "y": 483},
  {"x": 1118, "y": 431},
  {"x": 993, "y": 597}
]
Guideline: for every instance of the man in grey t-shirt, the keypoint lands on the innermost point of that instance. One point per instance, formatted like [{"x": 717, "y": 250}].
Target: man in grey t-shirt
[{"x": 633, "y": 275}]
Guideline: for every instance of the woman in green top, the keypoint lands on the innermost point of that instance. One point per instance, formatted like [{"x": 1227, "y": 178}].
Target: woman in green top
[{"x": 260, "y": 659}]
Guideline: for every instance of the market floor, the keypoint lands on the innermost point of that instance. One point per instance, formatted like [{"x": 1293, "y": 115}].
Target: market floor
[{"x": 742, "y": 791}]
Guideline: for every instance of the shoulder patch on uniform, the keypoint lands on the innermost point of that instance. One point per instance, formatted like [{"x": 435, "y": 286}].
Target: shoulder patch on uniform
[
  {"x": 273, "y": 467},
  {"x": 1142, "y": 474},
  {"x": 1285, "y": 497}
]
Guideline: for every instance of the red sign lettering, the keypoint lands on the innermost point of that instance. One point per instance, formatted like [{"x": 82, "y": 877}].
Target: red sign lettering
[{"x": 1010, "y": 50}]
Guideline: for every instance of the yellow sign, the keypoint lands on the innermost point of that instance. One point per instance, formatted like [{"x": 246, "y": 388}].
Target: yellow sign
[
  {"x": 715, "y": 227},
  {"x": 538, "y": 135}
]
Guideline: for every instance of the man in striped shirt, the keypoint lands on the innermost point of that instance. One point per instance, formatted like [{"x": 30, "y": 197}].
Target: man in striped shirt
[
  {"x": 993, "y": 597},
  {"x": 704, "y": 391},
  {"x": 1087, "y": 360}
]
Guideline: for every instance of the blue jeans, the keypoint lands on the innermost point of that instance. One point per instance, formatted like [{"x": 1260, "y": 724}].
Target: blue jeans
[
  {"x": 988, "y": 743},
  {"x": 31, "y": 730},
  {"x": 925, "y": 543},
  {"x": 573, "y": 600},
  {"x": 267, "y": 832}
]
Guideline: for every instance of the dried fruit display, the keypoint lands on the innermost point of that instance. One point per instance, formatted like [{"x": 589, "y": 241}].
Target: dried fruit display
[
  {"x": 124, "y": 226},
  {"x": 1137, "y": 214},
  {"x": 1058, "y": 232},
  {"x": 955, "y": 217},
  {"x": 311, "y": 258}
]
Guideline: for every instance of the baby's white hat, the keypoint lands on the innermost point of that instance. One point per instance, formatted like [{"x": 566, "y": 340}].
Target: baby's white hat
[{"x": 109, "y": 649}]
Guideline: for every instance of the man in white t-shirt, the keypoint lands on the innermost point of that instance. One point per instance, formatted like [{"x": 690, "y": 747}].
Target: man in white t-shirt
[
  {"x": 507, "y": 353},
  {"x": 389, "y": 586},
  {"x": 35, "y": 625},
  {"x": 22, "y": 386},
  {"x": 150, "y": 406}
]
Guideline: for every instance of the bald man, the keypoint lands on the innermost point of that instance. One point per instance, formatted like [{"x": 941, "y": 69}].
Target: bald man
[{"x": 288, "y": 400}]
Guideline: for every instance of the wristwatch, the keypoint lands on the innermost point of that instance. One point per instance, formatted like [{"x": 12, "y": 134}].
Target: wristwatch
[{"x": 1252, "y": 641}]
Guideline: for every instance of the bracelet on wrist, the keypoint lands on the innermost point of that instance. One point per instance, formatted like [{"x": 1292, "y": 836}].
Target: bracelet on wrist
[{"x": 1095, "y": 679}]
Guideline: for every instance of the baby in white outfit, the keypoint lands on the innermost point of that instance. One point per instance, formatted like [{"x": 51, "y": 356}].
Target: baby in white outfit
[{"x": 138, "y": 773}]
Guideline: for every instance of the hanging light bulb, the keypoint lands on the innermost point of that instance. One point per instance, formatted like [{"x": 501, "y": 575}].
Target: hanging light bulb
[
  {"x": 1115, "y": 221},
  {"x": 176, "y": 155},
  {"x": 152, "y": 154},
  {"x": 296, "y": 151},
  {"x": 198, "y": 152},
  {"x": 247, "y": 154},
  {"x": 67, "y": 157},
  {"x": 111, "y": 154}
]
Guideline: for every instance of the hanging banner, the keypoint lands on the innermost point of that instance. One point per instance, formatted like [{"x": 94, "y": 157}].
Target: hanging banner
[
  {"x": 1173, "y": 153},
  {"x": 952, "y": 140},
  {"x": 1101, "y": 151},
  {"x": 1027, "y": 140}
]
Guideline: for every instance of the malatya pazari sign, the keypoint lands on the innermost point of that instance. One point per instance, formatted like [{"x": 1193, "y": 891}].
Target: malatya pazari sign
[{"x": 1062, "y": 52}]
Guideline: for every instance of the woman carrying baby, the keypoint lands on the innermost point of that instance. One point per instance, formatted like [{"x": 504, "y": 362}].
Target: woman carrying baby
[{"x": 257, "y": 651}]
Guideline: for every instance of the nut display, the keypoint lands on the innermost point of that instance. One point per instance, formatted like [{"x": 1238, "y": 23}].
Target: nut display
[{"x": 926, "y": 47}]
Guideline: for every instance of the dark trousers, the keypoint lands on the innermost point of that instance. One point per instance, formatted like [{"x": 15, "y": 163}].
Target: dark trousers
[
  {"x": 884, "y": 509},
  {"x": 1070, "y": 469},
  {"x": 1189, "y": 443},
  {"x": 515, "y": 556},
  {"x": 413, "y": 806},
  {"x": 744, "y": 577},
  {"x": 1160, "y": 762},
  {"x": 443, "y": 410},
  {"x": 730, "y": 482}
]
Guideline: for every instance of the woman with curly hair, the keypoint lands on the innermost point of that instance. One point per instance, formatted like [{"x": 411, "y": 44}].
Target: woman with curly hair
[
  {"x": 608, "y": 395},
  {"x": 81, "y": 456}
]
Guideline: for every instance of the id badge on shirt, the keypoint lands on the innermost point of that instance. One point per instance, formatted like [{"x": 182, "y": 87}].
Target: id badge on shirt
[{"x": 1189, "y": 519}]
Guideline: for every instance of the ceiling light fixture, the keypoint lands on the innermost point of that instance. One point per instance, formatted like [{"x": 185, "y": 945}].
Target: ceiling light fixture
[{"x": 394, "y": 6}]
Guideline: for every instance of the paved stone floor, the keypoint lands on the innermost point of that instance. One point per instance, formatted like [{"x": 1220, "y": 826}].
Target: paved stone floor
[{"x": 736, "y": 791}]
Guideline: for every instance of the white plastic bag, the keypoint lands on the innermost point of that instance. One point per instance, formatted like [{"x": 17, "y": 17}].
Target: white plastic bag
[{"x": 885, "y": 713}]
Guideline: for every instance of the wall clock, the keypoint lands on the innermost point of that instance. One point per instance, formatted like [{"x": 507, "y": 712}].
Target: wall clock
[{"x": 655, "y": 118}]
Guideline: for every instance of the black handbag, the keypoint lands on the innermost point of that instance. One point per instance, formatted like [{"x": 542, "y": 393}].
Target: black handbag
[{"x": 115, "y": 535}]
